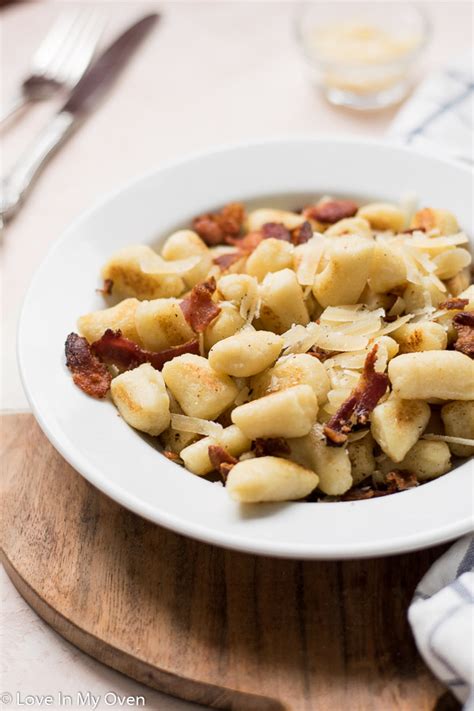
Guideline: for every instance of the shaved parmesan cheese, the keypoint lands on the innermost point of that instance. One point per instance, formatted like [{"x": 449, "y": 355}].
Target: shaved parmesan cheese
[
  {"x": 443, "y": 312},
  {"x": 452, "y": 440},
  {"x": 299, "y": 339},
  {"x": 437, "y": 282},
  {"x": 337, "y": 341},
  {"x": 413, "y": 273},
  {"x": 347, "y": 360},
  {"x": 183, "y": 423},
  {"x": 307, "y": 258},
  {"x": 293, "y": 335},
  {"x": 349, "y": 313},
  {"x": 250, "y": 303},
  {"x": 424, "y": 242},
  {"x": 364, "y": 327},
  {"x": 422, "y": 259},
  {"x": 394, "y": 325},
  {"x": 398, "y": 307}
]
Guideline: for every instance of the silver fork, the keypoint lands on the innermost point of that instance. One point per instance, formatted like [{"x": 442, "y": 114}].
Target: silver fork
[{"x": 60, "y": 60}]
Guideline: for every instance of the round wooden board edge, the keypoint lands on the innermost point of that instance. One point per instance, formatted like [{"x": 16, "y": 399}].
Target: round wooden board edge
[{"x": 159, "y": 679}]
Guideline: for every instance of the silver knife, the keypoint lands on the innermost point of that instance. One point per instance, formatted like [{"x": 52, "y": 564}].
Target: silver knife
[{"x": 82, "y": 99}]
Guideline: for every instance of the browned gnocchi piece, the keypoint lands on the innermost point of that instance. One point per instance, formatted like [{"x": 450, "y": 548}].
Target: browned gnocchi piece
[
  {"x": 118, "y": 318},
  {"x": 160, "y": 324},
  {"x": 287, "y": 413},
  {"x": 282, "y": 302},
  {"x": 296, "y": 369},
  {"x": 458, "y": 420},
  {"x": 447, "y": 375},
  {"x": 126, "y": 272},
  {"x": 141, "y": 398},
  {"x": 246, "y": 353},
  {"x": 199, "y": 389},
  {"x": 269, "y": 479}
]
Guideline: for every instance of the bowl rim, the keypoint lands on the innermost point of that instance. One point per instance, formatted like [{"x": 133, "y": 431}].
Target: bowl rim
[{"x": 182, "y": 526}]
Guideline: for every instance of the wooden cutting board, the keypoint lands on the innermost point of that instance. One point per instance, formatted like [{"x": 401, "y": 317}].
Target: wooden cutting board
[{"x": 229, "y": 630}]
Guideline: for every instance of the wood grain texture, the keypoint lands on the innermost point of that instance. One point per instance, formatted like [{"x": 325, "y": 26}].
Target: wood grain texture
[{"x": 229, "y": 630}]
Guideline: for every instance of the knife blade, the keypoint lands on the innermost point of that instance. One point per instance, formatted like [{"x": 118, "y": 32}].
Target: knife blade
[
  {"x": 83, "y": 98},
  {"x": 107, "y": 67}
]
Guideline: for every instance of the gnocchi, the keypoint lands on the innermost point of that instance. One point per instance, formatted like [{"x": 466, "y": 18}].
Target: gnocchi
[
  {"x": 447, "y": 375},
  {"x": 296, "y": 369},
  {"x": 200, "y": 390},
  {"x": 119, "y": 318},
  {"x": 287, "y": 413},
  {"x": 160, "y": 324},
  {"x": 269, "y": 479},
  {"x": 282, "y": 302},
  {"x": 141, "y": 398},
  {"x": 186, "y": 243},
  {"x": 247, "y": 353},
  {"x": 397, "y": 425},
  {"x": 126, "y": 272},
  {"x": 346, "y": 273},
  {"x": 196, "y": 455}
]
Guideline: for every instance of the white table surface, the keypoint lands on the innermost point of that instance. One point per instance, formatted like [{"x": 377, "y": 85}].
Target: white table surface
[{"x": 210, "y": 73}]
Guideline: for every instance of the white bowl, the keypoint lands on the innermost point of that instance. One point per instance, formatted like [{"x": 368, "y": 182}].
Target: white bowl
[{"x": 112, "y": 456}]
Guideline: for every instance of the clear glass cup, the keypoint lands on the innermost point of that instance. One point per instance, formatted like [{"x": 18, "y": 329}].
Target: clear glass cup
[{"x": 362, "y": 55}]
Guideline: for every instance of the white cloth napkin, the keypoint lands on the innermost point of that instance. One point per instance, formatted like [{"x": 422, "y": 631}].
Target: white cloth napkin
[
  {"x": 439, "y": 115},
  {"x": 442, "y": 619},
  {"x": 439, "y": 118}
]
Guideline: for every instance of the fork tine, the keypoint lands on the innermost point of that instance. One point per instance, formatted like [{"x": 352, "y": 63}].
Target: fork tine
[
  {"x": 54, "y": 69},
  {"x": 52, "y": 41},
  {"x": 83, "y": 50}
]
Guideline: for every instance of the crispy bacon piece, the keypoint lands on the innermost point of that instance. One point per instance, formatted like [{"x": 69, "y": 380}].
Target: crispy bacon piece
[
  {"x": 221, "y": 460},
  {"x": 198, "y": 308},
  {"x": 331, "y": 211},
  {"x": 424, "y": 219},
  {"x": 400, "y": 480},
  {"x": 360, "y": 403},
  {"x": 271, "y": 446},
  {"x": 224, "y": 261},
  {"x": 355, "y": 494},
  {"x": 395, "y": 481},
  {"x": 107, "y": 287},
  {"x": 88, "y": 372},
  {"x": 275, "y": 230},
  {"x": 117, "y": 350},
  {"x": 214, "y": 227},
  {"x": 463, "y": 322},
  {"x": 302, "y": 234},
  {"x": 248, "y": 243},
  {"x": 453, "y": 303},
  {"x": 411, "y": 230}
]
